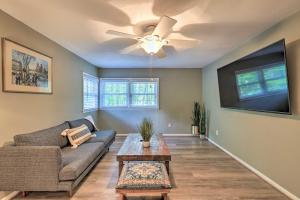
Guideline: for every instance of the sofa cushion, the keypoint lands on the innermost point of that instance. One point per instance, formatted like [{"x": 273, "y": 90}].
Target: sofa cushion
[
  {"x": 79, "y": 122},
  {"x": 78, "y": 135},
  {"x": 75, "y": 161},
  {"x": 46, "y": 137},
  {"x": 103, "y": 136}
]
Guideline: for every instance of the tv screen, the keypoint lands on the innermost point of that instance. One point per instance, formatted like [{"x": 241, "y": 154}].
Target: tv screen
[{"x": 257, "y": 82}]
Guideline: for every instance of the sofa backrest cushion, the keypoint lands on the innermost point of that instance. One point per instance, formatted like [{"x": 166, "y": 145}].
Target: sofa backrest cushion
[
  {"x": 78, "y": 122},
  {"x": 46, "y": 137}
]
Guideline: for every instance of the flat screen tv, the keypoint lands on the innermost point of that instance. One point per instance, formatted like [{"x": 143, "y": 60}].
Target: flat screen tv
[{"x": 257, "y": 82}]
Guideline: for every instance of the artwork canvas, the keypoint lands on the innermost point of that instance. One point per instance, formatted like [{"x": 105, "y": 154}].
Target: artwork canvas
[{"x": 25, "y": 70}]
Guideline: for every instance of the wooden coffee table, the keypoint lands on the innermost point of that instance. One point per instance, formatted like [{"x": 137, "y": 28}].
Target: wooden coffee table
[{"x": 133, "y": 150}]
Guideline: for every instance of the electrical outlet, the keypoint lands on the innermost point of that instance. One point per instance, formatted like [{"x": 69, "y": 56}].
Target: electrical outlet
[
  {"x": 169, "y": 125},
  {"x": 217, "y": 132}
]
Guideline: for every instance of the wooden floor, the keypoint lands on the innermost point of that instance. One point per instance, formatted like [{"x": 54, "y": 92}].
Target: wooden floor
[{"x": 199, "y": 170}]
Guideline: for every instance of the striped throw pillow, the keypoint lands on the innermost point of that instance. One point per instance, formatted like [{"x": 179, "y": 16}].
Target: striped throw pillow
[{"x": 77, "y": 135}]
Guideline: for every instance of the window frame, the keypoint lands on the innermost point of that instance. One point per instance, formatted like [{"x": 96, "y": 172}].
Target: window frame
[
  {"x": 129, "y": 94},
  {"x": 84, "y": 74}
]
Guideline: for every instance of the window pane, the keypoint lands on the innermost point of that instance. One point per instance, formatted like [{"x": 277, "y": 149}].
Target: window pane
[
  {"x": 143, "y": 87},
  {"x": 276, "y": 85},
  {"x": 274, "y": 72},
  {"x": 115, "y": 87},
  {"x": 143, "y": 100},
  {"x": 113, "y": 100},
  {"x": 129, "y": 93},
  {"x": 247, "y": 77},
  {"x": 90, "y": 92},
  {"x": 251, "y": 90}
]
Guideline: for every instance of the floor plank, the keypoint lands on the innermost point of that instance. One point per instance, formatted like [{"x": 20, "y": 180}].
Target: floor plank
[{"x": 199, "y": 170}]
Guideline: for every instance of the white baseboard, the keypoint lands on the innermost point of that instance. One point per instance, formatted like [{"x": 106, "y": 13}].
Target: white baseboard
[
  {"x": 258, "y": 173},
  {"x": 178, "y": 135},
  {"x": 165, "y": 134},
  {"x": 10, "y": 195},
  {"x": 122, "y": 135}
]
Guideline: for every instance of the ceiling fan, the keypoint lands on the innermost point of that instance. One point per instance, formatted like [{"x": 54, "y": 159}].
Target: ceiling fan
[{"x": 155, "y": 38}]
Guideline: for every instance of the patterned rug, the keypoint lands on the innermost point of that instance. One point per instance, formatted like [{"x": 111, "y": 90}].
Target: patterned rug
[{"x": 144, "y": 175}]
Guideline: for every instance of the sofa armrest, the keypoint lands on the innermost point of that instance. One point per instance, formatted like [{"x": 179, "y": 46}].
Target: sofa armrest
[{"x": 29, "y": 168}]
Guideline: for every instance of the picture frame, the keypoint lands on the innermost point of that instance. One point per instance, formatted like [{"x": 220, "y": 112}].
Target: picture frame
[{"x": 25, "y": 70}]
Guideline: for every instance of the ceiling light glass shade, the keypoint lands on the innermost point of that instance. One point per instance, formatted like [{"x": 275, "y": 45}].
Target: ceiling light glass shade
[{"x": 152, "y": 43}]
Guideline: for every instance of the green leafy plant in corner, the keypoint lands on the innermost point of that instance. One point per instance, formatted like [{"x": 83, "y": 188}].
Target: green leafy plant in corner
[
  {"x": 196, "y": 114},
  {"x": 203, "y": 121},
  {"x": 146, "y": 129}
]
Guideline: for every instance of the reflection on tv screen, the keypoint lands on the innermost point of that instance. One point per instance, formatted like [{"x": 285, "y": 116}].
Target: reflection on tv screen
[
  {"x": 257, "y": 82},
  {"x": 261, "y": 82}
]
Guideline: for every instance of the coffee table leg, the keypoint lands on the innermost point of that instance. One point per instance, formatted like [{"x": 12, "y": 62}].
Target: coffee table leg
[
  {"x": 167, "y": 163},
  {"x": 120, "y": 167}
]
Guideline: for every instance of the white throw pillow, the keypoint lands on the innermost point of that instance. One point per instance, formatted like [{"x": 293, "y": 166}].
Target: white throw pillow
[{"x": 77, "y": 135}]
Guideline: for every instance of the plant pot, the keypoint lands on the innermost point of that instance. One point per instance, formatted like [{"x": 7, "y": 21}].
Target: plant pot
[
  {"x": 202, "y": 136},
  {"x": 146, "y": 144},
  {"x": 195, "y": 130}
]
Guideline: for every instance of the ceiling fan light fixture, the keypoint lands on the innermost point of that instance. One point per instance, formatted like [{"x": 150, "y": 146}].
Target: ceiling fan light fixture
[{"x": 152, "y": 43}]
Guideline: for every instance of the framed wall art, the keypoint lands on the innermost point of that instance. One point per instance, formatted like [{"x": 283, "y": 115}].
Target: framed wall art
[{"x": 25, "y": 70}]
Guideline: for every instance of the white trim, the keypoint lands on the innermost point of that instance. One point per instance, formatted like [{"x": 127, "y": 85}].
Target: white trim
[
  {"x": 10, "y": 195},
  {"x": 128, "y": 81},
  {"x": 178, "y": 135},
  {"x": 166, "y": 134},
  {"x": 86, "y": 75},
  {"x": 122, "y": 135},
  {"x": 258, "y": 173},
  {"x": 92, "y": 76}
]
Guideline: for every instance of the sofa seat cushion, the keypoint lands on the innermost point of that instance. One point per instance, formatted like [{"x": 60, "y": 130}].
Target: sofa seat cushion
[
  {"x": 46, "y": 137},
  {"x": 103, "y": 136},
  {"x": 75, "y": 161}
]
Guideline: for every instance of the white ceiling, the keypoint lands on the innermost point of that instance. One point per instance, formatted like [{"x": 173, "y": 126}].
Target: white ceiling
[{"x": 80, "y": 26}]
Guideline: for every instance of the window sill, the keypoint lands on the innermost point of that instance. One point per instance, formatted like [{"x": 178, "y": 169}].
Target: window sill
[
  {"x": 90, "y": 110},
  {"x": 130, "y": 109}
]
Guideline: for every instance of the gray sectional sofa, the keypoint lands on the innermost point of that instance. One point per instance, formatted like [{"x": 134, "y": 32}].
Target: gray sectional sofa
[{"x": 44, "y": 160}]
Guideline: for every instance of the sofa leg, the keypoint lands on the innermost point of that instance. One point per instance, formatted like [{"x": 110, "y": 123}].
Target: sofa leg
[
  {"x": 24, "y": 194},
  {"x": 164, "y": 196},
  {"x": 70, "y": 193},
  {"x": 123, "y": 197}
]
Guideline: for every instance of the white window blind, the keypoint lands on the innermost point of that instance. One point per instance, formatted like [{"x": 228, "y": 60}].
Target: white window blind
[
  {"x": 90, "y": 92},
  {"x": 129, "y": 93}
]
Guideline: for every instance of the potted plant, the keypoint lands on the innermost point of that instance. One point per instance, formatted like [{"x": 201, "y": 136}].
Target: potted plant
[
  {"x": 146, "y": 131},
  {"x": 196, "y": 118},
  {"x": 203, "y": 123}
]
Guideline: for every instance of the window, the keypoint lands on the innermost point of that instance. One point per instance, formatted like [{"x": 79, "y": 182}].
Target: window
[
  {"x": 262, "y": 82},
  {"x": 90, "y": 92},
  {"x": 129, "y": 93}
]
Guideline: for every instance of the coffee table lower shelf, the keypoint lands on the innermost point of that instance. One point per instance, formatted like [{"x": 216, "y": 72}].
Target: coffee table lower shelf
[
  {"x": 166, "y": 162},
  {"x": 132, "y": 150}
]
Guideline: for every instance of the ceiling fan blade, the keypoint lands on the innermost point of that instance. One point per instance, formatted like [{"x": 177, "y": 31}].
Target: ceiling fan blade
[
  {"x": 161, "y": 53},
  {"x": 130, "y": 49},
  {"x": 125, "y": 35},
  {"x": 164, "y": 26},
  {"x": 183, "y": 43}
]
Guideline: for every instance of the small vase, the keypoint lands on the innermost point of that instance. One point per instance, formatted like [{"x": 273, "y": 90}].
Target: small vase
[
  {"x": 202, "y": 136},
  {"x": 195, "y": 130},
  {"x": 146, "y": 144}
]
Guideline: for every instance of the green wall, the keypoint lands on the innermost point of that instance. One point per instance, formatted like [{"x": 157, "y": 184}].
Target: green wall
[
  {"x": 179, "y": 88},
  {"x": 21, "y": 113},
  {"x": 268, "y": 142}
]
